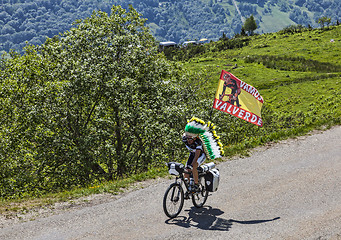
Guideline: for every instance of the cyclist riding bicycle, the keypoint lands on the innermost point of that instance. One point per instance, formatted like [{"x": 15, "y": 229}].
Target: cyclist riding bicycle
[
  {"x": 196, "y": 156},
  {"x": 201, "y": 140}
]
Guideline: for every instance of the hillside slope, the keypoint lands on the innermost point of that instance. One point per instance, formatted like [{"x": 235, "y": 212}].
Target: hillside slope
[{"x": 172, "y": 20}]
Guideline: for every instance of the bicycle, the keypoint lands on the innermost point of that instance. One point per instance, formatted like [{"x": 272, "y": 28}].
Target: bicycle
[{"x": 175, "y": 196}]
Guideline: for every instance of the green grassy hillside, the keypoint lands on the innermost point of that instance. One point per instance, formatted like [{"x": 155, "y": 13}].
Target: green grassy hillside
[
  {"x": 279, "y": 60},
  {"x": 300, "y": 69},
  {"x": 275, "y": 21},
  {"x": 297, "y": 74}
]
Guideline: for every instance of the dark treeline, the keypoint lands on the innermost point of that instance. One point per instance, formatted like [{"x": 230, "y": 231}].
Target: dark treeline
[{"x": 34, "y": 21}]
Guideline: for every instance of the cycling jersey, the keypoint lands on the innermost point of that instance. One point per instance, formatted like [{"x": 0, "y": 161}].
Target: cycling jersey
[{"x": 197, "y": 144}]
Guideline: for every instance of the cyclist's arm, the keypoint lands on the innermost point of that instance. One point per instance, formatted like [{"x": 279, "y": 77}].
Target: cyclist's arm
[{"x": 197, "y": 155}]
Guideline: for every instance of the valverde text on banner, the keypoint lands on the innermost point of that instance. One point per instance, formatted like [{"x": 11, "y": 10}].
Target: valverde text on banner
[
  {"x": 237, "y": 112},
  {"x": 238, "y": 98}
]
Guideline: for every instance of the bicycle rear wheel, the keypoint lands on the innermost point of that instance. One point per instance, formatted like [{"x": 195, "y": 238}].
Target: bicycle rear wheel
[
  {"x": 199, "y": 198},
  {"x": 173, "y": 200}
]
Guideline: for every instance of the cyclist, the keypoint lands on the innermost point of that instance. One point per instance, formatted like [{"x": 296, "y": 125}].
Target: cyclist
[
  {"x": 200, "y": 139},
  {"x": 196, "y": 156}
]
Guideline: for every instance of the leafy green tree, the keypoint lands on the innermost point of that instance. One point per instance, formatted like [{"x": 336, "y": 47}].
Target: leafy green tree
[
  {"x": 250, "y": 25},
  {"x": 242, "y": 32},
  {"x": 324, "y": 20},
  {"x": 97, "y": 103}
]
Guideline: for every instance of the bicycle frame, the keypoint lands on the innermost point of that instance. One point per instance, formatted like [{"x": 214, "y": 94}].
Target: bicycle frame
[{"x": 186, "y": 184}]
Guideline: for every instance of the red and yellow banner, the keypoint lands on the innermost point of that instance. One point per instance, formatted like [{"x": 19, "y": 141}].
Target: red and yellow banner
[{"x": 238, "y": 99}]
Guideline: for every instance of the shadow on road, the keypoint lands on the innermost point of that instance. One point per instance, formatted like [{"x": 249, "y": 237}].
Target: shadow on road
[{"x": 206, "y": 218}]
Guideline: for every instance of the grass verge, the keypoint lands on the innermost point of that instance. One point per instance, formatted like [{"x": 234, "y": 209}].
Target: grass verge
[{"x": 12, "y": 207}]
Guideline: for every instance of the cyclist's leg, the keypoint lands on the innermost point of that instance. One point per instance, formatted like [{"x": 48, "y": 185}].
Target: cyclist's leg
[{"x": 196, "y": 164}]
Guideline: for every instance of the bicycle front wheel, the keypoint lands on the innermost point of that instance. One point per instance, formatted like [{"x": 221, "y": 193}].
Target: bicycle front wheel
[
  {"x": 173, "y": 200},
  {"x": 199, "y": 198}
]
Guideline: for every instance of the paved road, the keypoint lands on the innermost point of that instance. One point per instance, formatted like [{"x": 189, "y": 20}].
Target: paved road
[{"x": 289, "y": 190}]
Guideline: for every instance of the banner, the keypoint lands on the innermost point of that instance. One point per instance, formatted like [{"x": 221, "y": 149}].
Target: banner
[{"x": 238, "y": 99}]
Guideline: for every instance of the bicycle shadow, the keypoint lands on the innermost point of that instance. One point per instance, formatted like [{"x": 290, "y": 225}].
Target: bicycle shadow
[{"x": 206, "y": 218}]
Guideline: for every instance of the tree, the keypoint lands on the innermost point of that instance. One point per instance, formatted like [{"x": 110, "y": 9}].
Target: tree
[
  {"x": 242, "y": 32},
  {"x": 250, "y": 25},
  {"x": 324, "y": 20},
  {"x": 97, "y": 103}
]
